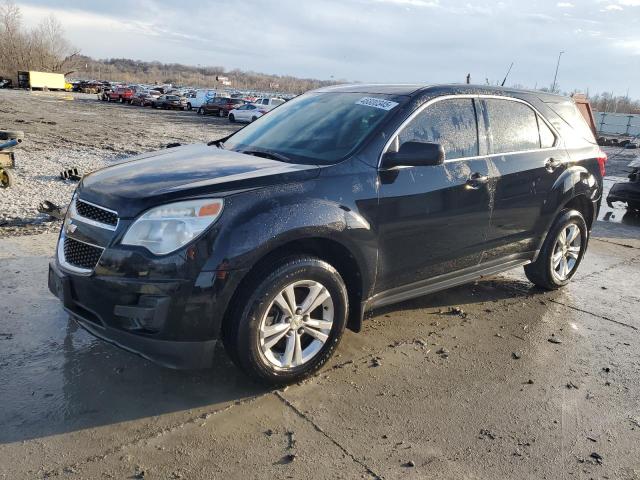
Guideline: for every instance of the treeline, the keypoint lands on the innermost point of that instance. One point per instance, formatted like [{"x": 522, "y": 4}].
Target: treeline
[
  {"x": 45, "y": 48},
  {"x": 135, "y": 71},
  {"x": 607, "y": 102},
  {"x": 42, "y": 48}
]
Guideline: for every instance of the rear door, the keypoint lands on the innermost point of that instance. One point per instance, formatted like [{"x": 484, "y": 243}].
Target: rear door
[
  {"x": 525, "y": 160},
  {"x": 433, "y": 219}
]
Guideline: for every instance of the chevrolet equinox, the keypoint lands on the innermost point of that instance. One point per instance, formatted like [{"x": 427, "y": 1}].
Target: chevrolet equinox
[{"x": 278, "y": 237}]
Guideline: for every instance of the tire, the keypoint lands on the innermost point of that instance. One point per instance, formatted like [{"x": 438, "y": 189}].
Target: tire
[
  {"x": 272, "y": 345},
  {"x": 232, "y": 119},
  {"x": 633, "y": 206},
  {"x": 545, "y": 272},
  {"x": 253, "y": 119},
  {"x": 7, "y": 178},
  {"x": 189, "y": 107}
]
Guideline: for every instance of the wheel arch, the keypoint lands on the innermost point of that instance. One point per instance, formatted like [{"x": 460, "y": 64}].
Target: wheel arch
[{"x": 330, "y": 250}]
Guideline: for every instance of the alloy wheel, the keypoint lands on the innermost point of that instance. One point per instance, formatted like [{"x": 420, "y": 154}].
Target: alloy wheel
[
  {"x": 566, "y": 252},
  {"x": 297, "y": 324}
]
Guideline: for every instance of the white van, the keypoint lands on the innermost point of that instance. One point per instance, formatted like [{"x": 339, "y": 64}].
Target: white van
[
  {"x": 196, "y": 99},
  {"x": 268, "y": 103}
]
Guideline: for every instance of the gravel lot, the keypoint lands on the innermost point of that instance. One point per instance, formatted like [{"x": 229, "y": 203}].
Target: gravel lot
[{"x": 64, "y": 130}]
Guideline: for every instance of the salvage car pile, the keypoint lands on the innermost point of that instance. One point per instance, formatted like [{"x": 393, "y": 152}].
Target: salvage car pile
[{"x": 235, "y": 105}]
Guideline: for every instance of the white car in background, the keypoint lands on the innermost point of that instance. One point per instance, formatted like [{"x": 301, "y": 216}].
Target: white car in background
[{"x": 246, "y": 113}]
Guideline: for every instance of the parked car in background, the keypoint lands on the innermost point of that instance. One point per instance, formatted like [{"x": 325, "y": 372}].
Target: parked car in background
[
  {"x": 170, "y": 102},
  {"x": 268, "y": 103},
  {"x": 276, "y": 238},
  {"x": 104, "y": 93},
  {"x": 143, "y": 99},
  {"x": 248, "y": 112},
  {"x": 120, "y": 94},
  {"x": 220, "y": 106}
]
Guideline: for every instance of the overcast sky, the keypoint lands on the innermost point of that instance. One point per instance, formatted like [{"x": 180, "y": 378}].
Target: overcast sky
[{"x": 370, "y": 40}]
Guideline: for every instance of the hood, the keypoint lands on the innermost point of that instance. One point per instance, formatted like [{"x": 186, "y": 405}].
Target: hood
[{"x": 184, "y": 172}]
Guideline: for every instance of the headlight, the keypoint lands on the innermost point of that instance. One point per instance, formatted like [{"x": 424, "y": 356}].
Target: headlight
[{"x": 165, "y": 229}]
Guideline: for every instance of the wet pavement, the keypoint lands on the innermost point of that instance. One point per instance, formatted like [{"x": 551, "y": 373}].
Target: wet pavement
[{"x": 523, "y": 384}]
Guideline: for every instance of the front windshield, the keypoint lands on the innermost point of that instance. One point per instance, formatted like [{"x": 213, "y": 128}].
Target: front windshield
[{"x": 316, "y": 128}]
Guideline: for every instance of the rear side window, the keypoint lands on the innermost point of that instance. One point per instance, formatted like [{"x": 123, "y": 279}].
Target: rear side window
[
  {"x": 513, "y": 126},
  {"x": 451, "y": 123}
]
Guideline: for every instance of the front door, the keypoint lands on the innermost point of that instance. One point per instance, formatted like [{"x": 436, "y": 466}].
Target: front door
[{"x": 433, "y": 220}]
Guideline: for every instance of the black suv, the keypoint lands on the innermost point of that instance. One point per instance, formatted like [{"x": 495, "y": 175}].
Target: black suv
[{"x": 276, "y": 238}]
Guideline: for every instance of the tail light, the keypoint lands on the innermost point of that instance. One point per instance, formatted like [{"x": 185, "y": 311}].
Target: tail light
[{"x": 602, "y": 162}]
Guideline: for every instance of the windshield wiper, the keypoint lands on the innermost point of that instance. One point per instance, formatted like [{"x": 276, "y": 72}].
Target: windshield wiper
[
  {"x": 218, "y": 143},
  {"x": 265, "y": 154}
]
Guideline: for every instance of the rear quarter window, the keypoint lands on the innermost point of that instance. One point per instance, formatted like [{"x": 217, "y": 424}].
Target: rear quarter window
[{"x": 578, "y": 132}]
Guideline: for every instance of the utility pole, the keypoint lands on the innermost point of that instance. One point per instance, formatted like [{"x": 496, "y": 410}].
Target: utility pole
[{"x": 555, "y": 77}]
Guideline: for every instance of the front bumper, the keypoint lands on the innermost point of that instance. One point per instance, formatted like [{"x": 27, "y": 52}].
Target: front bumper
[
  {"x": 172, "y": 323},
  {"x": 628, "y": 192}
]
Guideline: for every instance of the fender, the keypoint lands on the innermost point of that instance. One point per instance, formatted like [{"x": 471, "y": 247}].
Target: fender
[
  {"x": 573, "y": 182},
  {"x": 258, "y": 222}
]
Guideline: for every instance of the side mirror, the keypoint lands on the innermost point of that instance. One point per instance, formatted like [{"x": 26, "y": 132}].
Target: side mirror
[{"x": 414, "y": 154}]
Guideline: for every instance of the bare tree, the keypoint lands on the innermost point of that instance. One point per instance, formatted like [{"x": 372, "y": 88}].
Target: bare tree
[{"x": 43, "y": 48}]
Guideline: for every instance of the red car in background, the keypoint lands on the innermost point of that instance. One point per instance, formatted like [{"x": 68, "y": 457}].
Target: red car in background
[
  {"x": 120, "y": 94},
  {"x": 220, "y": 106}
]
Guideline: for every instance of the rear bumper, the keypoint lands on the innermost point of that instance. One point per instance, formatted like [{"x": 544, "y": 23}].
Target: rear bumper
[{"x": 624, "y": 192}]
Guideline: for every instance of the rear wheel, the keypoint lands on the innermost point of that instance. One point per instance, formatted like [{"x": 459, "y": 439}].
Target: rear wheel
[
  {"x": 561, "y": 252},
  {"x": 289, "y": 322},
  {"x": 253, "y": 119}
]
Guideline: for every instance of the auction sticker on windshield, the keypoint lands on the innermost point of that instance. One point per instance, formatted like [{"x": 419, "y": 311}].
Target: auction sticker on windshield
[{"x": 377, "y": 103}]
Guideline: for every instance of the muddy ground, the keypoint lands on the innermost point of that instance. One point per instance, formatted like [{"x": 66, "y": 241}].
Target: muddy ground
[{"x": 520, "y": 384}]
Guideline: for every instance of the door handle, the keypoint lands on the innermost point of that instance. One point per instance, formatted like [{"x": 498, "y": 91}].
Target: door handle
[
  {"x": 476, "y": 180},
  {"x": 551, "y": 165}
]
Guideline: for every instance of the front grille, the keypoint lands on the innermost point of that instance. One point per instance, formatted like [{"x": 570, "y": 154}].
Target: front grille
[
  {"x": 96, "y": 214},
  {"x": 81, "y": 254}
]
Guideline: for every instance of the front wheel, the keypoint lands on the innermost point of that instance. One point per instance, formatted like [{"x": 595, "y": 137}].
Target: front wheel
[
  {"x": 232, "y": 119},
  {"x": 561, "y": 252},
  {"x": 253, "y": 119},
  {"x": 289, "y": 322}
]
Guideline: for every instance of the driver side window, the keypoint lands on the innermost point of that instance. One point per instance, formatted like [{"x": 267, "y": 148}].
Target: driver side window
[{"x": 451, "y": 123}]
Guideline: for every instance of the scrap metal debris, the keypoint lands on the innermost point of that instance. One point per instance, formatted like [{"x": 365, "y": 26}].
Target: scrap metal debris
[
  {"x": 53, "y": 210},
  {"x": 71, "y": 174}
]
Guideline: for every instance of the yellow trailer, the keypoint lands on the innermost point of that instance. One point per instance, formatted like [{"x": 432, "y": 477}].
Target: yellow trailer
[{"x": 42, "y": 80}]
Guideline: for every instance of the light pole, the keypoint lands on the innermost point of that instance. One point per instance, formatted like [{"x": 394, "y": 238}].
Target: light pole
[{"x": 555, "y": 77}]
